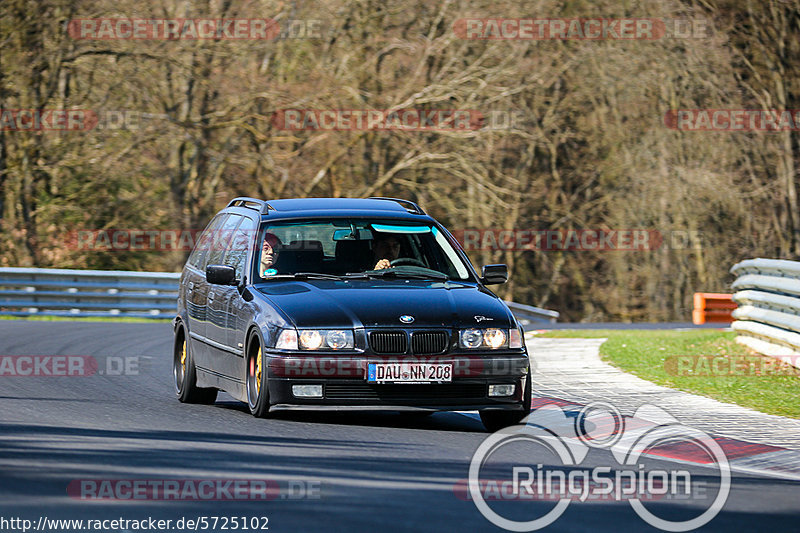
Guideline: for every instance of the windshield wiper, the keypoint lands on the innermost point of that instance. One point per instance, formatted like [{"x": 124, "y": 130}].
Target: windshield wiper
[
  {"x": 356, "y": 275},
  {"x": 384, "y": 273},
  {"x": 305, "y": 275},
  {"x": 407, "y": 274}
]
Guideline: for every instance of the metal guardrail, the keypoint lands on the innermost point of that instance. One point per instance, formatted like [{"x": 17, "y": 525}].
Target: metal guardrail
[
  {"x": 87, "y": 293},
  {"x": 117, "y": 293},
  {"x": 527, "y": 314},
  {"x": 768, "y": 294}
]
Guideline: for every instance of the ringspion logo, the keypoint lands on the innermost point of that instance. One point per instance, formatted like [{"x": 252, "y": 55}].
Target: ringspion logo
[{"x": 565, "y": 479}]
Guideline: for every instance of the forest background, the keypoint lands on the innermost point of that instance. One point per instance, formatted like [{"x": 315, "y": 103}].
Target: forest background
[{"x": 575, "y": 136}]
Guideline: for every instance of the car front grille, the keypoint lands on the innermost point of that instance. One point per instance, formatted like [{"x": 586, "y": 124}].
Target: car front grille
[
  {"x": 396, "y": 342},
  {"x": 404, "y": 392},
  {"x": 388, "y": 342},
  {"x": 428, "y": 342}
]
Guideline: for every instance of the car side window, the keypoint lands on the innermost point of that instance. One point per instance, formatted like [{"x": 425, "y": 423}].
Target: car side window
[
  {"x": 201, "y": 248},
  {"x": 236, "y": 254},
  {"x": 222, "y": 239}
]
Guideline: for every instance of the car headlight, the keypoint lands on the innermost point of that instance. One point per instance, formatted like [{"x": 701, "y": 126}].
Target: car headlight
[
  {"x": 491, "y": 338},
  {"x": 494, "y": 338},
  {"x": 310, "y": 339},
  {"x": 471, "y": 338},
  {"x": 338, "y": 339},
  {"x": 326, "y": 339}
]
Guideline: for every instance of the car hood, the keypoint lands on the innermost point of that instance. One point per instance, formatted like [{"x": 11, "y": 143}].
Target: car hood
[{"x": 376, "y": 303}]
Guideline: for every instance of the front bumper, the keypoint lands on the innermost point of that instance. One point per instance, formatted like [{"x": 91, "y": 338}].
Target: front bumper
[{"x": 344, "y": 383}]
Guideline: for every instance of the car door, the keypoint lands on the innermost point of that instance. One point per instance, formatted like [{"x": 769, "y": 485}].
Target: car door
[
  {"x": 196, "y": 292},
  {"x": 218, "y": 296},
  {"x": 240, "y": 256}
]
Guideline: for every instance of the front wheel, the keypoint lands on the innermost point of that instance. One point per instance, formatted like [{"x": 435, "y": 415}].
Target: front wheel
[
  {"x": 497, "y": 420},
  {"x": 185, "y": 374},
  {"x": 257, "y": 387}
]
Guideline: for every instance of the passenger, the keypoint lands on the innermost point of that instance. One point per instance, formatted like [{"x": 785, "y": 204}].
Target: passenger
[
  {"x": 385, "y": 249},
  {"x": 269, "y": 255}
]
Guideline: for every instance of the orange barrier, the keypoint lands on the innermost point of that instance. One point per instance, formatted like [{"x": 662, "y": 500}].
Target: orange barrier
[{"x": 712, "y": 307}]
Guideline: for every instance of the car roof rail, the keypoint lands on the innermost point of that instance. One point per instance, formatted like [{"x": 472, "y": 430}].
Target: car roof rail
[
  {"x": 251, "y": 203},
  {"x": 410, "y": 206}
]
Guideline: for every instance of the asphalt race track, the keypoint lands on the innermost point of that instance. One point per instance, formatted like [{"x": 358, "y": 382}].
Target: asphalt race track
[{"x": 333, "y": 471}]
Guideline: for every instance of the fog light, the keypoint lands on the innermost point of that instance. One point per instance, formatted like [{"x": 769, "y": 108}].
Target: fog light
[
  {"x": 501, "y": 390},
  {"x": 311, "y": 391}
]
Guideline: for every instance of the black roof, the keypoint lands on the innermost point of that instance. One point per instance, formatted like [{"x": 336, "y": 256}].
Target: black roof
[{"x": 312, "y": 207}]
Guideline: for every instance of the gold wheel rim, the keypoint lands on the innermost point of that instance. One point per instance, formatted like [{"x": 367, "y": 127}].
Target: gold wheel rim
[
  {"x": 258, "y": 371},
  {"x": 183, "y": 357}
]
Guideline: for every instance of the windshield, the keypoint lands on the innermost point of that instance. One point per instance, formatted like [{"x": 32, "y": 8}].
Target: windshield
[{"x": 367, "y": 248}]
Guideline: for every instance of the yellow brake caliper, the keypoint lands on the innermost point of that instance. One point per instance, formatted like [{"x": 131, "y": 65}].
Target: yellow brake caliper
[
  {"x": 183, "y": 357},
  {"x": 258, "y": 371}
]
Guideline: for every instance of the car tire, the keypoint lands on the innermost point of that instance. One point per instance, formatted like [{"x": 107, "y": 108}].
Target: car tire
[
  {"x": 185, "y": 374},
  {"x": 257, "y": 383},
  {"x": 497, "y": 420}
]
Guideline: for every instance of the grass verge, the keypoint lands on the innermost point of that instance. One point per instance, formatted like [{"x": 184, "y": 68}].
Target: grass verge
[{"x": 668, "y": 358}]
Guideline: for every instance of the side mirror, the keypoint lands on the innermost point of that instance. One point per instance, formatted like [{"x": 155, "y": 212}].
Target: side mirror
[
  {"x": 220, "y": 274},
  {"x": 494, "y": 274}
]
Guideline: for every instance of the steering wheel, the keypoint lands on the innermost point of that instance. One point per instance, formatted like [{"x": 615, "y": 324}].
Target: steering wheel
[{"x": 407, "y": 261}]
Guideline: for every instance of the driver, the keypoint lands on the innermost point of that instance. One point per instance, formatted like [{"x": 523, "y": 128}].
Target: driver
[
  {"x": 269, "y": 255},
  {"x": 385, "y": 249}
]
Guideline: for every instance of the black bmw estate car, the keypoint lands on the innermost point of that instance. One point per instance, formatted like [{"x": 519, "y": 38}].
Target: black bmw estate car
[{"x": 339, "y": 303}]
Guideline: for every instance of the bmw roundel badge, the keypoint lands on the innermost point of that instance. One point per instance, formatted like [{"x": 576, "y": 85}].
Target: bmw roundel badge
[{"x": 406, "y": 319}]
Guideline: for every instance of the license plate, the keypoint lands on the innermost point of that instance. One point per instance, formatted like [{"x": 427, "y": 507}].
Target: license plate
[{"x": 409, "y": 372}]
